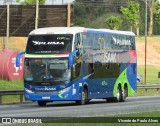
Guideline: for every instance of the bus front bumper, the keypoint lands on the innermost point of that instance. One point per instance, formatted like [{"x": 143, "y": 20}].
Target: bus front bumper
[{"x": 67, "y": 94}]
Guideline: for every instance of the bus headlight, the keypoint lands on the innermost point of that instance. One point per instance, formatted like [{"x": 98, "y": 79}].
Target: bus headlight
[{"x": 27, "y": 90}]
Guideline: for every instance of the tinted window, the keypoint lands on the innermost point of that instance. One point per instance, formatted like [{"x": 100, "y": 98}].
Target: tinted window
[
  {"x": 124, "y": 42},
  {"x": 100, "y": 41},
  {"x": 53, "y": 71},
  {"x": 49, "y": 44},
  {"x": 106, "y": 70}
]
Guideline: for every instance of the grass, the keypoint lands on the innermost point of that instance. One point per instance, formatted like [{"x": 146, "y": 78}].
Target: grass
[
  {"x": 152, "y": 71},
  {"x": 149, "y": 39},
  {"x": 151, "y": 78},
  {"x": 150, "y": 92},
  {"x": 152, "y": 74},
  {"x": 11, "y": 85}
]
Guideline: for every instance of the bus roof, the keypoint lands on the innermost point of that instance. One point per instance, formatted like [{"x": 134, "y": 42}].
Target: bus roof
[
  {"x": 57, "y": 30},
  {"x": 74, "y": 30}
]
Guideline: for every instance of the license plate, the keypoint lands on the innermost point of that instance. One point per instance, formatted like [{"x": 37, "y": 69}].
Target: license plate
[{"x": 46, "y": 97}]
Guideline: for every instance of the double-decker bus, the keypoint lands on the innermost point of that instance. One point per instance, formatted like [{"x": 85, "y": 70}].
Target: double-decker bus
[{"x": 79, "y": 64}]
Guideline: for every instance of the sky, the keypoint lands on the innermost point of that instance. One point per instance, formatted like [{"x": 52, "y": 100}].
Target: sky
[{"x": 50, "y": 2}]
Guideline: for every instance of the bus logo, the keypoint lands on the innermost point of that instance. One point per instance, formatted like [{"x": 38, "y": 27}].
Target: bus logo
[
  {"x": 47, "y": 43},
  {"x": 104, "y": 83},
  {"x": 45, "y": 89},
  {"x": 121, "y": 41}
]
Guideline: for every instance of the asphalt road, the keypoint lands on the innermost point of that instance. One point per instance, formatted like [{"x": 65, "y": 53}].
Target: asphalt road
[{"x": 70, "y": 109}]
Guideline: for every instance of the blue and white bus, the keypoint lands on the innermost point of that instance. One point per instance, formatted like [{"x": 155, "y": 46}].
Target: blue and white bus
[{"x": 79, "y": 64}]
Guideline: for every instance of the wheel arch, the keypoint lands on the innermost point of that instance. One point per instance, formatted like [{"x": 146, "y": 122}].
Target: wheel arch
[{"x": 85, "y": 86}]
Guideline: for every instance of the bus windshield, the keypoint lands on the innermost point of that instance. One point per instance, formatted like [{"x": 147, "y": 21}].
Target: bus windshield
[
  {"x": 49, "y": 44},
  {"x": 46, "y": 70}
]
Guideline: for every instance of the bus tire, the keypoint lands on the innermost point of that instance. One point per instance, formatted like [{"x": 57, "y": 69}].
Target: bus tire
[
  {"x": 41, "y": 103},
  {"x": 119, "y": 96},
  {"x": 84, "y": 98},
  {"x": 125, "y": 93}
]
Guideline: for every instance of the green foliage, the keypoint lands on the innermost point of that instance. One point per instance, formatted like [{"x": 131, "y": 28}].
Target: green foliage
[
  {"x": 156, "y": 20},
  {"x": 31, "y": 2},
  {"x": 81, "y": 17},
  {"x": 114, "y": 22},
  {"x": 157, "y": 12},
  {"x": 100, "y": 22},
  {"x": 87, "y": 11},
  {"x": 131, "y": 12}
]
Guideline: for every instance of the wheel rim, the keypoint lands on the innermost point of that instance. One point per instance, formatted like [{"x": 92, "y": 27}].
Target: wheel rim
[
  {"x": 125, "y": 93},
  {"x": 83, "y": 97},
  {"x": 118, "y": 94}
]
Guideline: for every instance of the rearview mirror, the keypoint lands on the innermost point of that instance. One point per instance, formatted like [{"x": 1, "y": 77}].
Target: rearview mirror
[
  {"x": 18, "y": 58},
  {"x": 71, "y": 58}
]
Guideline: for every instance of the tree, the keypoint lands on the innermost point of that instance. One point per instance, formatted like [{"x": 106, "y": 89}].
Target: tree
[
  {"x": 80, "y": 17},
  {"x": 114, "y": 22},
  {"x": 87, "y": 11},
  {"x": 156, "y": 20},
  {"x": 157, "y": 12},
  {"x": 131, "y": 12},
  {"x": 31, "y": 2},
  {"x": 151, "y": 8}
]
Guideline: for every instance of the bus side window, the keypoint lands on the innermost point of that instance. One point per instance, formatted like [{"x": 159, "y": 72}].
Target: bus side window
[
  {"x": 132, "y": 47},
  {"x": 91, "y": 68},
  {"x": 77, "y": 41},
  {"x": 78, "y": 45},
  {"x": 76, "y": 71}
]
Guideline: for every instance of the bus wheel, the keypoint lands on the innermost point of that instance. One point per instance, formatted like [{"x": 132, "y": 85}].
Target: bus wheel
[
  {"x": 84, "y": 98},
  {"x": 119, "y": 96},
  {"x": 41, "y": 103},
  {"x": 125, "y": 93}
]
